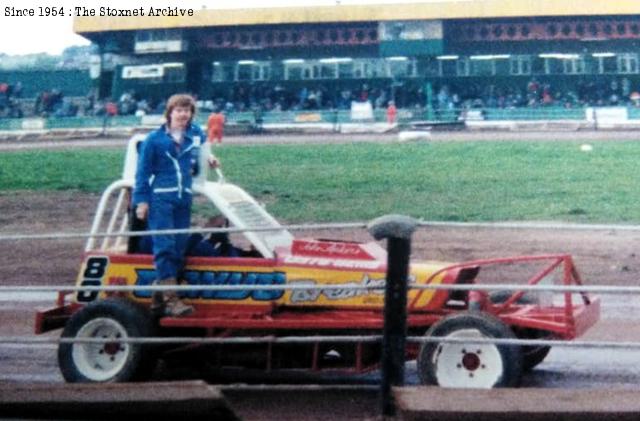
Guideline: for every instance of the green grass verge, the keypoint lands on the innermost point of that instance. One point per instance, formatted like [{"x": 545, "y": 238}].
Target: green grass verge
[{"x": 471, "y": 181}]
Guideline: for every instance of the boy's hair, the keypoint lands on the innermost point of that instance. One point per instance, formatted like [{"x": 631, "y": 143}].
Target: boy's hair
[{"x": 179, "y": 100}]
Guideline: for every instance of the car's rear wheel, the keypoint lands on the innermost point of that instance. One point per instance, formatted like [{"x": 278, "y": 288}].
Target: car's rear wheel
[
  {"x": 532, "y": 355},
  {"x": 112, "y": 361},
  {"x": 469, "y": 364}
]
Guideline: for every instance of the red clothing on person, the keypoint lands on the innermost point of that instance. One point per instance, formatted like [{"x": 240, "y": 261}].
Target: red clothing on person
[
  {"x": 215, "y": 127},
  {"x": 111, "y": 108},
  {"x": 392, "y": 112}
]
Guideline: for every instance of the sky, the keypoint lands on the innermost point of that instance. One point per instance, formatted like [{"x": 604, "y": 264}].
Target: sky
[{"x": 52, "y": 34}]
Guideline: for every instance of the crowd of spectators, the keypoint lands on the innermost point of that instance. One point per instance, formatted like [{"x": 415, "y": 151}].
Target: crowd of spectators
[
  {"x": 586, "y": 93},
  {"x": 267, "y": 98},
  {"x": 9, "y": 100}
]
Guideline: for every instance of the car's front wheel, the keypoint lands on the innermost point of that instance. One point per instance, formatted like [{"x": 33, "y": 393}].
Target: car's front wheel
[
  {"x": 114, "y": 360},
  {"x": 468, "y": 364}
]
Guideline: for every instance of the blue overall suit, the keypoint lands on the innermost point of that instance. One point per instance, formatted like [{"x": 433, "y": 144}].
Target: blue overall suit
[{"x": 163, "y": 180}]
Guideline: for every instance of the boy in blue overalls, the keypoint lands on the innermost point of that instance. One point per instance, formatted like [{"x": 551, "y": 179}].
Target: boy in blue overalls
[{"x": 167, "y": 163}]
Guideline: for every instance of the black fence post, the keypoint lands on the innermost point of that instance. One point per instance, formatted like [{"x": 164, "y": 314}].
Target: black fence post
[{"x": 397, "y": 229}]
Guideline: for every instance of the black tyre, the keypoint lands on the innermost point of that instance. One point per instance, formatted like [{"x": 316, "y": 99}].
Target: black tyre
[
  {"x": 470, "y": 365},
  {"x": 113, "y": 361},
  {"x": 532, "y": 355}
]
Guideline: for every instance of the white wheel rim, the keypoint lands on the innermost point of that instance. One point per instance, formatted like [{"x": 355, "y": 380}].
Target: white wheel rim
[
  {"x": 470, "y": 365},
  {"x": 101, "y": 361}
]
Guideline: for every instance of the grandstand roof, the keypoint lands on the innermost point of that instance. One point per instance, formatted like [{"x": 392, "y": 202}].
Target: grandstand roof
[{"x": 435, "y": 9}]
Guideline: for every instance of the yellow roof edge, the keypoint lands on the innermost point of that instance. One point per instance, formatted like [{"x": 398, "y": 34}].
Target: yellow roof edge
[{"x": 452, "y": 9}]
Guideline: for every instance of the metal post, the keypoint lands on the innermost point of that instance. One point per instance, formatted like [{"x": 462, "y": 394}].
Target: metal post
[{"x": 397, "y": 229}]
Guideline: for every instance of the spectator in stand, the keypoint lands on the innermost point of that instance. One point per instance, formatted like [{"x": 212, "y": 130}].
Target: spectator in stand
[
  {"x": 392, "y": 112},
  {"x": 215, "y": 127},
  {"x": 258, "y": 118},
  {"x": 111, "y": 109}
]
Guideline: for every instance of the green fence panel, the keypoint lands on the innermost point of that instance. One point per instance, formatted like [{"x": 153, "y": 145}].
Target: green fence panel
[
  {"x": 542, "y": 113},
  {"x": 11, "y": 124},
  {"x": 634, "y": 113}
]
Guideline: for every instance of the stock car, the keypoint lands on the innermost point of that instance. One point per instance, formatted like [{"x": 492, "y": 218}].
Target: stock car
[{"x": 276, "y": 258}]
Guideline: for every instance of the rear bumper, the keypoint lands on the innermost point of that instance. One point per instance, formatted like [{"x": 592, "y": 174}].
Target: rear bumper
[{"x": 586, "y": 316}]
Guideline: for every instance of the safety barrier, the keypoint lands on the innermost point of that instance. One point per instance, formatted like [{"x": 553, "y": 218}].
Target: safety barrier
[
  {"x": 397, "y": 231},
  {"x": 247, "y": 119}
]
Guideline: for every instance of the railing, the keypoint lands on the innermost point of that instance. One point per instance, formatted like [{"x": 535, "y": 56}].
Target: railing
[{"x": 319, "y": 117}]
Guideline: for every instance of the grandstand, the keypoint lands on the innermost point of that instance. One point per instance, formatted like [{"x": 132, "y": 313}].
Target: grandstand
[
  {"x": 447, "y": 60},
  {"x": 494, "y": 53}
]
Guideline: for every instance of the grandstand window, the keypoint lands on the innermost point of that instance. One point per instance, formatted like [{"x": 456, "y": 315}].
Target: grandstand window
[
  {"x": 566, "y": 30},
  {"x": 261, "y": 70},
  {"x": 471, "y": 33},
  {"x": 621, "y": 28},
  {"x": 301, "y": 70},
  {"x": 276, "y": 71},
  {"x": 158, "y": 35},
  {"x": 520, "y": 65},
  {"x": 511, "y": 31},
  {"x": 484, "y": 32},
  {"x": 401, "y": 67},
  {"x": 360, "y": 35},
  {"x": 482, "y": 68},
  {"x": 295, "y": 37},
  {"x": 628, "y": 63},
  {"x": 448, "y": 67},
  {"x": 553, "y": 66},
  {"x": 462, "y": 66},
  {"x": 231, "y": 37},
  {"x": 345, "y": 70},
  {"x": 320, "y": 36},
  {"x": 373, "y": 35},
  {"x": 593, "y": 29},
  {"x": 427, "y": 67},
  {"x": 329, "y": 70},
  {"x": 223, "y": 72},
  {"x": 347, "y": 35},
  {"x": 244, "y": 72},
  {"x": 333, "y": 35},
  {"x": 217, "y": 74},
  {"x": 574, "y": 66},
  {"x": 635, "y": 29},
  {"x": 372, "y": 68},
  {"x": 244, "y": 38},
  {"x": 608, "y": 29},
  {"x": 283, "y": 37},
  {"x": 525, "y": 31},
  {"x": 256, "y": 38},
  {"x": 307, "y": 72},
  {"x": 580, "y": 29},
  {"x": 218, "y": 39},
  {"x": 501, "y": 67},
  {"x": 552, "y": 30},
  {"x": 497, "y": 31},
  {"x": 174, "y": 72},
  {"x": 609, "y": 65},
  {"x": 538, "y": 65},
  {"x": 292, "y": 72}
]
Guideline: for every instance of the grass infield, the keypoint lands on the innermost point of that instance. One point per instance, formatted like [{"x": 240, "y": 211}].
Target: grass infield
[{"x": 461, "y": 181}]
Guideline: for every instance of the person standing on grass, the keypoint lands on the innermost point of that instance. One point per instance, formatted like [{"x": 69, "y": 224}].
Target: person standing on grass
[
  {"x": 392, "y": 112},
  {"x": 162, "y": 195},
  {"x": 215, "y": 127}
]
